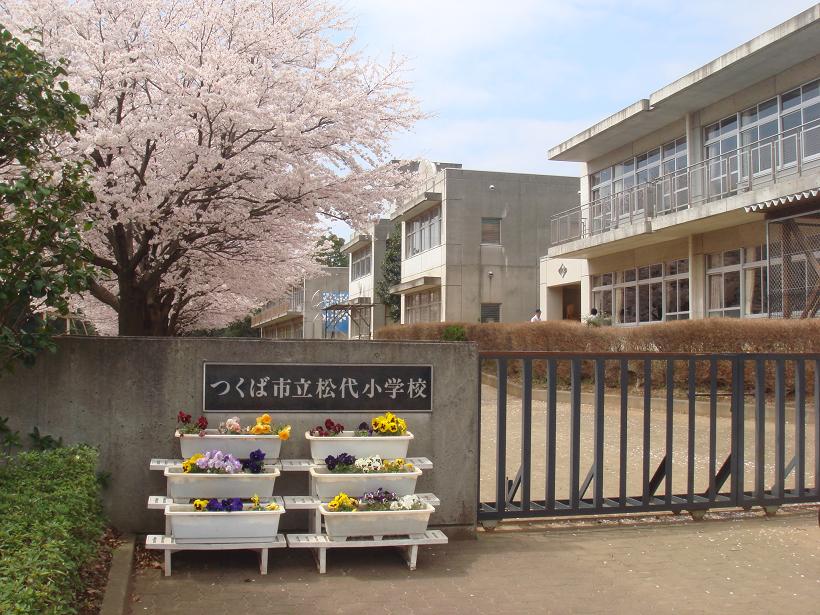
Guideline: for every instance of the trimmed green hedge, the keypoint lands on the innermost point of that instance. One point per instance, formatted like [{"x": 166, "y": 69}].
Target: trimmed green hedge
[{"x": 50, "y": 520}]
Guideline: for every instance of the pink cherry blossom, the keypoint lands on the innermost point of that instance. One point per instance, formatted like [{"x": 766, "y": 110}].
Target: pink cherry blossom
[{"x": 220, "y": 131}]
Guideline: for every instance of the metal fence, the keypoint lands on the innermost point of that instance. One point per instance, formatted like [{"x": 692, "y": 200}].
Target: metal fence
[
  {"x": 794, "y": 265},
  {"x": 590, "y": 434}
]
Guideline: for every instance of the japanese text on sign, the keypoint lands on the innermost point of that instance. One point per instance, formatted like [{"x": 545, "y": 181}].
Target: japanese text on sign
[{"x": 246, "y": 387}]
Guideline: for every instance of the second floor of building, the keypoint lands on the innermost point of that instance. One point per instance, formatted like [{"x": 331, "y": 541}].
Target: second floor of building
[
  {"x": 466, "y": 218},
  {"x": 739, "y": 130}
]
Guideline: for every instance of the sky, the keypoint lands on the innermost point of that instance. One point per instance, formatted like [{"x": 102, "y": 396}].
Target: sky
[{"x": 505, "y": 81}]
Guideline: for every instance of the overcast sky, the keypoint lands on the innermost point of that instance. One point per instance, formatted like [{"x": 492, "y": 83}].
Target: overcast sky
[{"x": 508, "y": 80}]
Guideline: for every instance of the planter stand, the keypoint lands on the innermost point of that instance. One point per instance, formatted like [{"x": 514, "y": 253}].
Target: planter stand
[
  {"x": 315, "y": 540},
  {"x": 408, "y": 547},
  {"x": 169, "y": 545}
]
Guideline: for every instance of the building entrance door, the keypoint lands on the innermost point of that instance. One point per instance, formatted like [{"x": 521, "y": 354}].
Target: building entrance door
[{"x": 571, "y": 303}]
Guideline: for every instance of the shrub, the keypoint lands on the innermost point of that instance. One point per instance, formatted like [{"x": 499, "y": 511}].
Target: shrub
[
  {"x": 453, "y": 333},
  {"x": 714, "y": 335},
  {"x": 50, "y": 521}
]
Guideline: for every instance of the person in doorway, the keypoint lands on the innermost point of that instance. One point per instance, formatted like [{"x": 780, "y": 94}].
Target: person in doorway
[
  {"x": 593, "y": 312},
  {"x": 536, "y": 317},
  {"x": 571, "y": 312}
]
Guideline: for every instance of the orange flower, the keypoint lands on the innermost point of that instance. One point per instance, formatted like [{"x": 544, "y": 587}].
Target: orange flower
[
  {"x": 264, "y": 419},
  {"x": 284, "y": 434}
]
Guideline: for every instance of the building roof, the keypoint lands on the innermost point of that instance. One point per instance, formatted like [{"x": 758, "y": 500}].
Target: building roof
[{"x": 785, "y": 45}]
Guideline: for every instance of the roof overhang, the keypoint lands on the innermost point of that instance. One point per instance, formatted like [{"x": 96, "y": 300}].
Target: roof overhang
[
  {"x": 767, "y": 55},
  {"x": 357, "y": 242},
  {"x": 417, "y": 205},
  {"x": 783, "y": 200},
  {"x": 418, "y": 284}
]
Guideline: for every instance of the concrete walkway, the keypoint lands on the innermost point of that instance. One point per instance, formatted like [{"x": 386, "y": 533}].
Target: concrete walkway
[{"x": 730, "y": 563}]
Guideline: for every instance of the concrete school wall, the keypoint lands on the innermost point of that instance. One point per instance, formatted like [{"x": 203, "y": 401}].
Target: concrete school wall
[{"x": 122, "y": 395}]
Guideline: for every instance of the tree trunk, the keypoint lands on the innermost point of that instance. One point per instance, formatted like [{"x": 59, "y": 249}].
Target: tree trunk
[{"x": 140, "y": 312}]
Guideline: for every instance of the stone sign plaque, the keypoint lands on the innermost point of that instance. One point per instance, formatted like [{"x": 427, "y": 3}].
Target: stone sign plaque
[{"x": 308, "y": 387}]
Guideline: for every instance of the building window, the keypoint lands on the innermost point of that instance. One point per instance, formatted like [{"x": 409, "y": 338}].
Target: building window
[
  {"x": 490, "y": 230},
  {"x": 676, "y": 299},
  {"x": 755, "y": 130},
  {"x": 360, "y": 263},
  {"x": 490, "y": 312},
  {"x": 665, "y": 161},
  {"x": 737, "y": 282},
  {"x": 647, "y": 294},
  {"x": 422, "y": 232},
  {"x": 424, "y": 306}
]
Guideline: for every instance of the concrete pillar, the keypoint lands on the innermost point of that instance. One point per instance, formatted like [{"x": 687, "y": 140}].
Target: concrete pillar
[
  {"x": 586, "y": 293},
  {"x": 553, "y": 305},
  {"x": 697, "y": 278}
]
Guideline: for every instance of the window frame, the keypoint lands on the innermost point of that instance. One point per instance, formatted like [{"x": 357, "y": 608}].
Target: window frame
[
  {"x": 422, "y": 232},
  {"x": 361, "y": 263}
]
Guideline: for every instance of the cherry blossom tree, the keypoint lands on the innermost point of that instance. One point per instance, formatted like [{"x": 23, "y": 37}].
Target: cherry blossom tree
[{"x": 219, "y": 131}]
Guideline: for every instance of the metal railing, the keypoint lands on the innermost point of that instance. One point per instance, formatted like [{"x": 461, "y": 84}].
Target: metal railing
[
  {"x": 294, "y": 302},
  {"x": 724, "y": 430},
  {"x": 751, "y": 166}
]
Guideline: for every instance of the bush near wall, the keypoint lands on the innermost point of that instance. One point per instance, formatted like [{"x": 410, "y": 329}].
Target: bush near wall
[
  {"x": 50, "y": 521},
  {"x": 714, "y": 335}
]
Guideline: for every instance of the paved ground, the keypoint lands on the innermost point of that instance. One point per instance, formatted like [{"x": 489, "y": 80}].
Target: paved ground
[{"x": 725, "y": 565}]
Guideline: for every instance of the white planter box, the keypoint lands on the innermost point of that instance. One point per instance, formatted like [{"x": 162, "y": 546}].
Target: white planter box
[
  {"x": 240, "y": 485},
  {"x": 190, "y": 526},
  {"x": 238, "y": 446},
  {"x": 376, "y": 523},
  {"x": 388, "y": 447},
  {"x": 328, "y": 485}
]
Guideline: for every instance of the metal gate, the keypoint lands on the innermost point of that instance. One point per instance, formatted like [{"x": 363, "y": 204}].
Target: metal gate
[{"x": 588, "y": 434}]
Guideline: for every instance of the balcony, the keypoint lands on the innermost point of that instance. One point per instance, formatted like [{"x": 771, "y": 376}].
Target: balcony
[
  {"x": 294, "y": 305},
  {"x": 790, "y": 154}
]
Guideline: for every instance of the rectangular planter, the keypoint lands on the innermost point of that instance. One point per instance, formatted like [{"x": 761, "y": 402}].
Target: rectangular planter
[
  {"x": 388, "y": 447},
  {"x": 340, "y": 525},
  {"x": 190, "y": 526},
  {"x": 241, "y": 485},
  {"x": 328, "y": 485},
  {"x": 240, "y": 446}
]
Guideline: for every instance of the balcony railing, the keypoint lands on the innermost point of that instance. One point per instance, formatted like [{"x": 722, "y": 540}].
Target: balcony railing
[
  {"x": 295, "y": 302},
  {"x": 791, "y": 153}
]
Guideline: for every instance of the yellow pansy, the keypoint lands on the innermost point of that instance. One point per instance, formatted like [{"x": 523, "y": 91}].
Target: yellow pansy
[
  {"x": 255, "y": 500},
  {"x": 272, "y": 506},
  {"x": 200, "y": 504}
]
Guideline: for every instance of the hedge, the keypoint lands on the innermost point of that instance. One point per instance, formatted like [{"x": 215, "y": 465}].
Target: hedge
[
  {"x": 714, "y": 335},
  {"x": 50, "y": 521}
]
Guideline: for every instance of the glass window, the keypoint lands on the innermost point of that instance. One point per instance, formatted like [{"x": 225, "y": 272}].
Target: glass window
[
  {"x": 424, "y": 306},
  {"x": 360, "y": 263},
  {"x": 790, "y": 100},
  {"x": 423, "y": 232},
  {"x": 811, "y": 90},
  {"x": 737, "y": 282},
  {"x": 765, "y": 109}
]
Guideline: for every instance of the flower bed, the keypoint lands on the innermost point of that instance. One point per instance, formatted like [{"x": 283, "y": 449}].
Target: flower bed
[
  {"x": 231, "y": 437},
  {"x": 377, "y": 514},
  {"x": 385, "y": 435}
]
